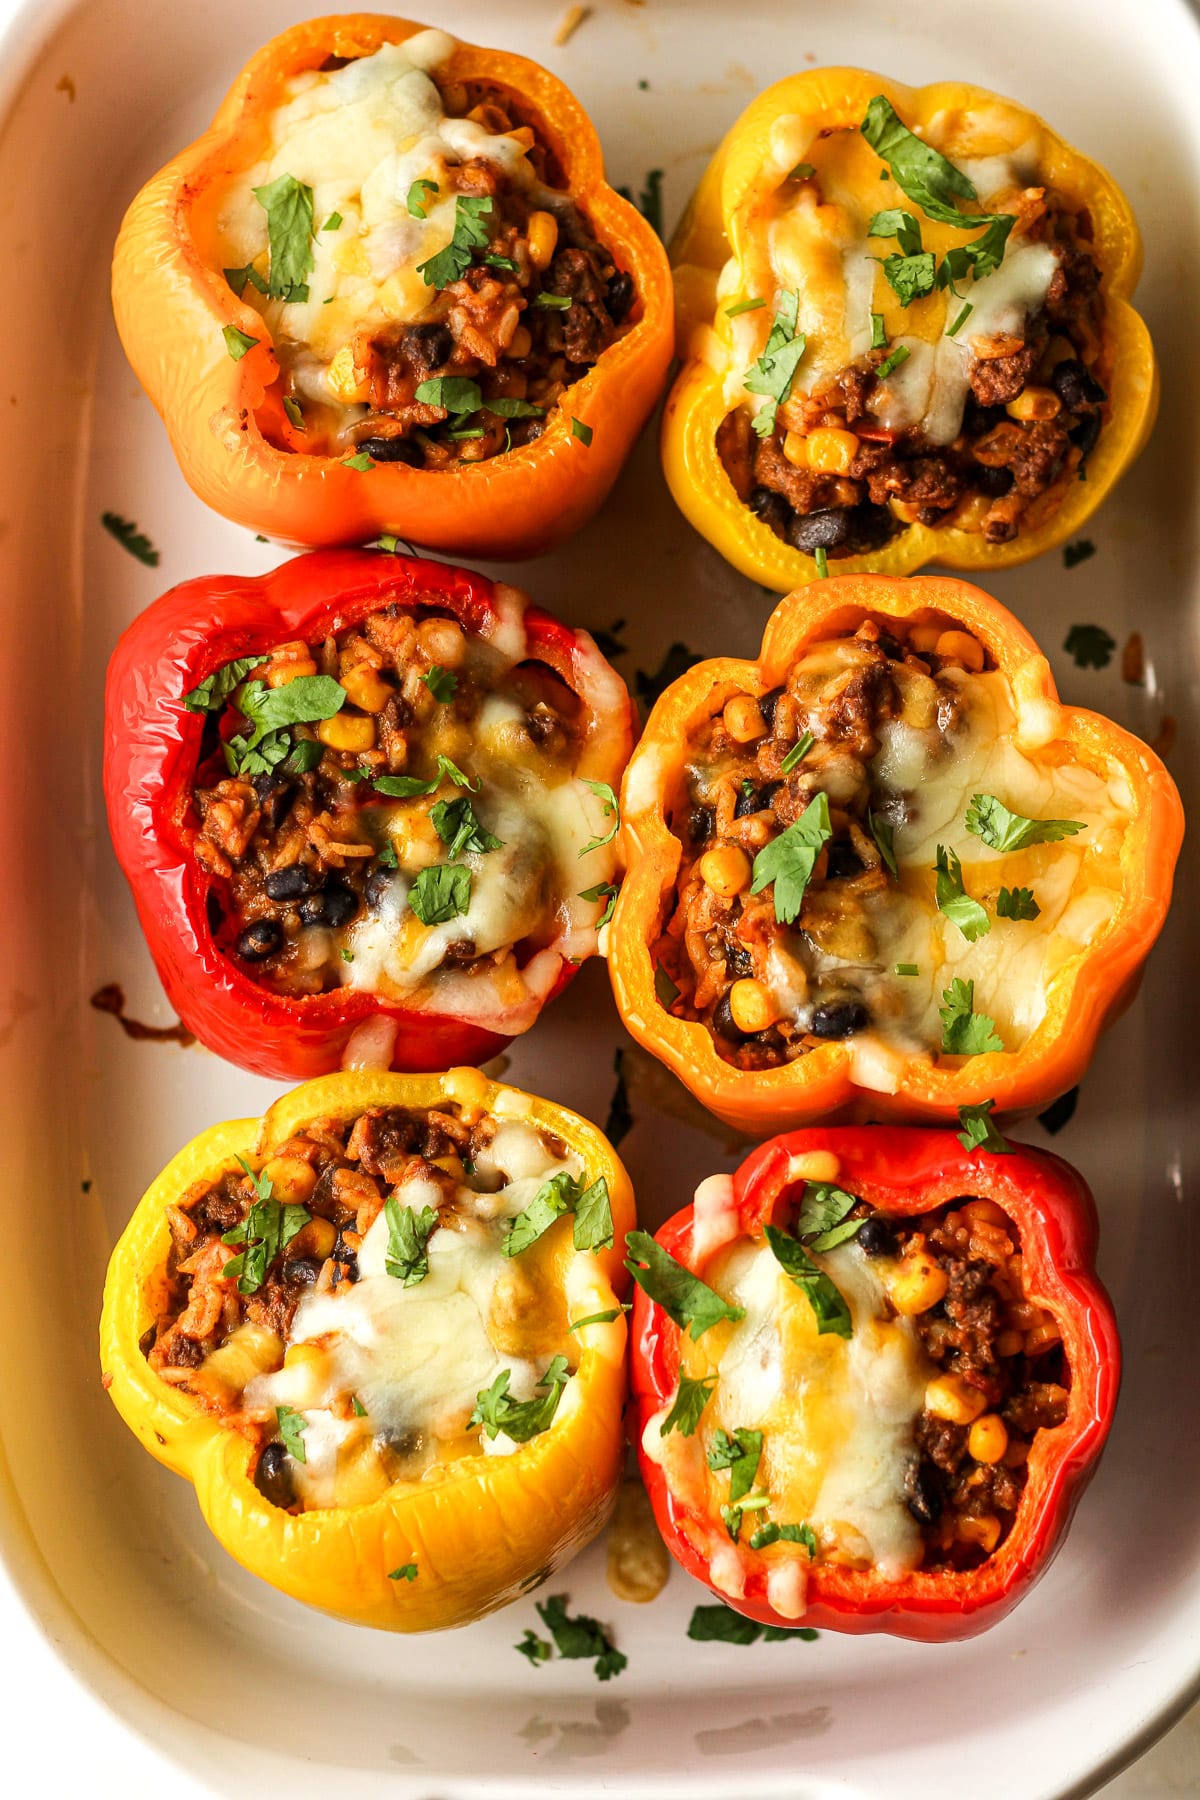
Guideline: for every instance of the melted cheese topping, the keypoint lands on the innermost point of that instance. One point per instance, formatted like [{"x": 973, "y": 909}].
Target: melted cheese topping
[
  {"x": 837, "y": 1414},
  {"x": 930, "y": 778},
  {"x": 415, "y": 1358},
  {"x": 815, "y": 242},
  {"x": 360, "y": 137}
]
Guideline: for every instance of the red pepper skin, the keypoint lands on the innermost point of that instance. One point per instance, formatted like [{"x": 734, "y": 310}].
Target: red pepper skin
[
  {"x": 904, "y": 1171},
  {"x": 152, "y": 743}
]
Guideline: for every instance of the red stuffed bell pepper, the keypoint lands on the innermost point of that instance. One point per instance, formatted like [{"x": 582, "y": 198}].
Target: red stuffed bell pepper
[
  {"x": 874, "y": 1372},
  {"x": 365, "y": 807}
]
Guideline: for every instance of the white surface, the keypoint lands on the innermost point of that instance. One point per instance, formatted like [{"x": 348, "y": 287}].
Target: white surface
[{"x": 205, "y": 1665}]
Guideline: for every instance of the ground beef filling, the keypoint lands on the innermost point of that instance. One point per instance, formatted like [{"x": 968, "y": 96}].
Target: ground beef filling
[
  {"x": 1001, "y": 1372},
  {"x": 537, "y": 308},
  {"x": 215, "y": 1332},
  {"x": 831, "y": 477},
  {"x": 297, "y": 857},
  {"x": 718, "y": 941}
]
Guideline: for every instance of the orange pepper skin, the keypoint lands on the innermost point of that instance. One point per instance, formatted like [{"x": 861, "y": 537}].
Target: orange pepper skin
[
  {"x": 493, "y": 1526},
  {"x": 225, "y": 419},
  {"x": 1088, "y": 990},
  {"x": 720, "y": 225}
]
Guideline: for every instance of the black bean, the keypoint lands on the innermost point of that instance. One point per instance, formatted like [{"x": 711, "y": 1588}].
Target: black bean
[
  {"x": 391, "y": 450},
  {"x": 767, "y": 704},
  {"x": 844, "y": 861},
  {"x": 275, "y": 796},
  {"x": 723, "y": 1022},
  {"x": 839, "y": 1019},
  {"x": 869, "y": 527},
  {"x": 977, "y": 418},
  {"x": 1084, "y": 435},
  {"x": 291, "y": 883},
  {"x": 342, "y": 1253},
  {"x": 876, "y": 1236},
  {"x": 753, "y": 799},
  {"x": 738, "y": 960},
  {"x": 427, "y": 347},
  {"x": 924, "y": 1498},
  {"x": 334, "y": 905},
  {"x": 825, "y": 529},
  {"x": 619, "y": 296},
  {"x": 377, "y": 885},
  {"x": 772, "y": 509},
  {"x": 993, "y": 482},
  {"x": 699, "y": 822},
  {"x": 301, "y": 1271},
  {"x": 273, "y": 1476},
  {"x": 1076, "y": 387},
  {"x": 260, "y": 940}
]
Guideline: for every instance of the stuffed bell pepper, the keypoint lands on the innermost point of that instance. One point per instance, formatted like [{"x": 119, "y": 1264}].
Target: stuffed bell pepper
[
  {"x": 365, "y": 804},
  {"x": 883, "y": 872},
  {"x": 905, "y": 322},
  {"x": 873, "y": 1372},
  {"x": 378, "y": 1331},
  {"x": 389, "y": 290}
]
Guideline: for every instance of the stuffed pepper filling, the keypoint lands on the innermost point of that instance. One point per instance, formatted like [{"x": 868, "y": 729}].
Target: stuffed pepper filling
[
  {"x": 883, "y": 850},
  {"x": 395, "y": 809},
  {"x": 381, "y": 1298},
  {"x": 431, "y": 288},
  {"x": 869, "y": 1398},
  {"x": 922, "y": 341}
]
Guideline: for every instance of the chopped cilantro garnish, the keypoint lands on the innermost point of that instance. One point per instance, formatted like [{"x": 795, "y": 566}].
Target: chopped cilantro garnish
[
  {"x": 878, "y": 332},
  {"x": 665, "y": 991},
  {"x": 270, "y": 712},
  {"x": 415, "y": 201},
  {"x": 1074, "y": 554},
  {"x": 885, "y": 842},
  {"x": 408, "y": 1238},
  {"x": 442, "y": 684},
  {"x": 740, "y": 1453},
  {"x": 406, "y": 1572},
  {"x": 964, "y": 1031},
  {"x": 534, "y": 1648},
  {"x": 333, "y": 222},
  {"x": 292, "y": 408},
  {"x": 823, "y": 1219},
  {"x": 583, "y": 432},
  {"x": 1016, "y": 903},
  {"x": 690, "y": 1302},
  {"x": 1090, "y": 645},
  {"x": 600, "y": 1318},
  {"x": 264, "y": 1234},
  {"x": 1000, "y": 829},
  {"x": 743, "y": 306},
  {"x": 978, "y": 1131},
  {"x": 454, "y": 394},
  {"x": 612, "y": 811},
  {"x": 960, "y": 321},
  {"x": 407, "y": 787},
  {"x": 130, "y": 538},
  {"x": 925, "y": 175},
  {"x": 452, "y": 263},
  {"x": 604, "y": 890},
  {"x": 580, "y": 1638},
  {"x": 288, "y": 204},
  {"x": 559, "y": 302},
  {"x": 953, "y": 899},
  {"x": 829, "y": 1306},
  {"x": 360, "y": 461},
  {"x": 292, "y": 1425},
  {"x": 797, "y": 753},
  {"x": 240, "y": 279},
  {"x": 890, "y": 363},
  {"x": 821, "y": 558},
  {"x": 721, "y": 1625},
  {"x": 771, "y": 1533},
  {"x": 691, "y": 1398},
  {"x": 906, "y": 969},
  {"x": 441, "y": 894},
  {"x": 496, "y": 1410},
  {"x": 898, "y": 224},
  {"x": 238, "y": 343},
  {"x": 456, "y": 825},
  {"x": 789, "y": 860},
  {"x": 562, "y": 1193},
  {"x": 775, "y": 370}
]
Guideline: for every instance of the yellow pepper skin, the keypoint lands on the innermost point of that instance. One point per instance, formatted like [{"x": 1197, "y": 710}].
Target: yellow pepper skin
[
  {"x": 719, "y": 257},
  {"x": 492, "y": 1527}
]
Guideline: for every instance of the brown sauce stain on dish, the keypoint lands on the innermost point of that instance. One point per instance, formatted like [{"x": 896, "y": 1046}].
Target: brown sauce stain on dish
[{"x": 111, "y": 999}]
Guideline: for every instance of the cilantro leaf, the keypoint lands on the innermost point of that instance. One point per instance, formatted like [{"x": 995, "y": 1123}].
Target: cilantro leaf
[
  {"x": 585, "y": 433},
  {"x": 600, "y": 1318},
  {"x": 559, "y": 302},
  {"x": 130, "y": 538},
  {"x": 909, "y": 277},
  {"x": 978, "y": 1132},
  {"x": 964, "y": 1031},
  {"x": 441, "y": 894},
  {"x": 288, "y": 204},
  {"x": 408, "y": 1238},
  {"x": 238, "y": 343},
  {"x": 954, "y": 901},
  {"x": 721, "y": 1625},
  {"x": 899, "y": 355},
  {"x": 240, "y": 279},
  {"x": 593, "y": 1218},
  {"x": 406, "y": 1572},
  {"x": 443, "y": 685},
  {"x": 415, "y": 200},
  {"x": 924, "y": 174},
  {"x": 829, "y": 1307},
  {"x": 292, "y": 409},
  {"x": 453, "y": 393},
  {"x": 456, "y": 825},
  {"x": 504, "y": 408},
  {"x": 292, "y": 1425},
  {"x": 361, "y": 462},
  {"x": 333, "y": 222},
  {"x": 620, "y": 1114},
  {"x": 885, "y": 842},
  {"x": 665, "y": 991},
  {"x": 580, "y": 1638},
  {"x": 213, "y": 693},
  {"x": 1090, "y": 645},
  {"x": 797, "y": 753},
  {"x": 989, "y": 819},
  {"x": 452, "y": 263},
  {"x": 878, "y": 332},
  {"x": 789, "y": 860},
  {"x": 731, "y": 1516},
  {"x": 901, "y": 225},
  {"x": 823, "y": 1216},
  {"x": 604, "y": 890},
  {"x": 562, "y": 1193},
  {"x": 775, "y": 370},
  {"x": 496, "y": 1411},
  {"x": 1074, "y": 554},
  {"x": 743, "y": 306},
  {"x": 690, "y": 1302},
  {"x": 771, "y": 1533},
  {"x": 740, "y": 1454},
  {"x": 536, "y": 1649},
  {"x": 407, "y": 787},
  {"x": 980, "y": 257},
  {"x": 270, "y": 711},
  {"x": 612, "y": 810},
  {"x": 691, "y": 1397},
  {"x": 265, "y": 1233},
  {"x": 1016, "y": 903}
]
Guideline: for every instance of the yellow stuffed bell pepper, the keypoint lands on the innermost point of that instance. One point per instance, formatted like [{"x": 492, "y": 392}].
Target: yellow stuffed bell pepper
[
  {"x": 379, "y": 1332},
  {"x": 906, "y": 334}
]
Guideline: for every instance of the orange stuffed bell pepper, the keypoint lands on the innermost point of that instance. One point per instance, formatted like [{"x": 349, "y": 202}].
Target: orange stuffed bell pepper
[
  {"x": 905, "y": 323},
  {"x": 378, "y": 1331},
  {"x": 882, "y": 872},
  {"x": 390, "y": 291}
]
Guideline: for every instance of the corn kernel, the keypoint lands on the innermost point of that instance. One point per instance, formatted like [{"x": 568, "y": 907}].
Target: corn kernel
[
  {"x": 292, "y": 1179},
  {"x": 752, "y": 1007},
  {"x": 923, "y": 638},
  {"x": 830, "y": 451},
  {"x": 443, "y": 642},
  {"x": 726, "y": 870},
  {"x": 298, "y": 1356},
  {"x": 1010, "y": 1343},
  {"x": 987, "y": 1439},
  {"x": 316, "y": 1239},
  {"x": 1043, "y": 1337},
  {"x": 905, "y": 511},
  {"x": 795, "y": 448},
  {"x": 288, "y": 662},
  {"x": 347, "y": 732},
  {"x": 985, "y": 1532},
  {"x": 985, "y": 1212},
  {"x": 543, "y": 237},
  {"x": 917, "y": 1284},
  {"x": 970, "y": 514},
  {"x": 344, "y": 379},
  {"x": 960, "y": 647},
  {"x": 367, "y": 688},
  {"x": 948, "y": 1397},
  {"x": 521, "y": 343},
  {"x": 1035, "y": 403},
  {"x": 743, "y": 719}
]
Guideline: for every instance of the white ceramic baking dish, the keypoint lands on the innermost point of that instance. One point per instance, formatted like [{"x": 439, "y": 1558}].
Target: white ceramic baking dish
[{"x": 240, "y": 1690}]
